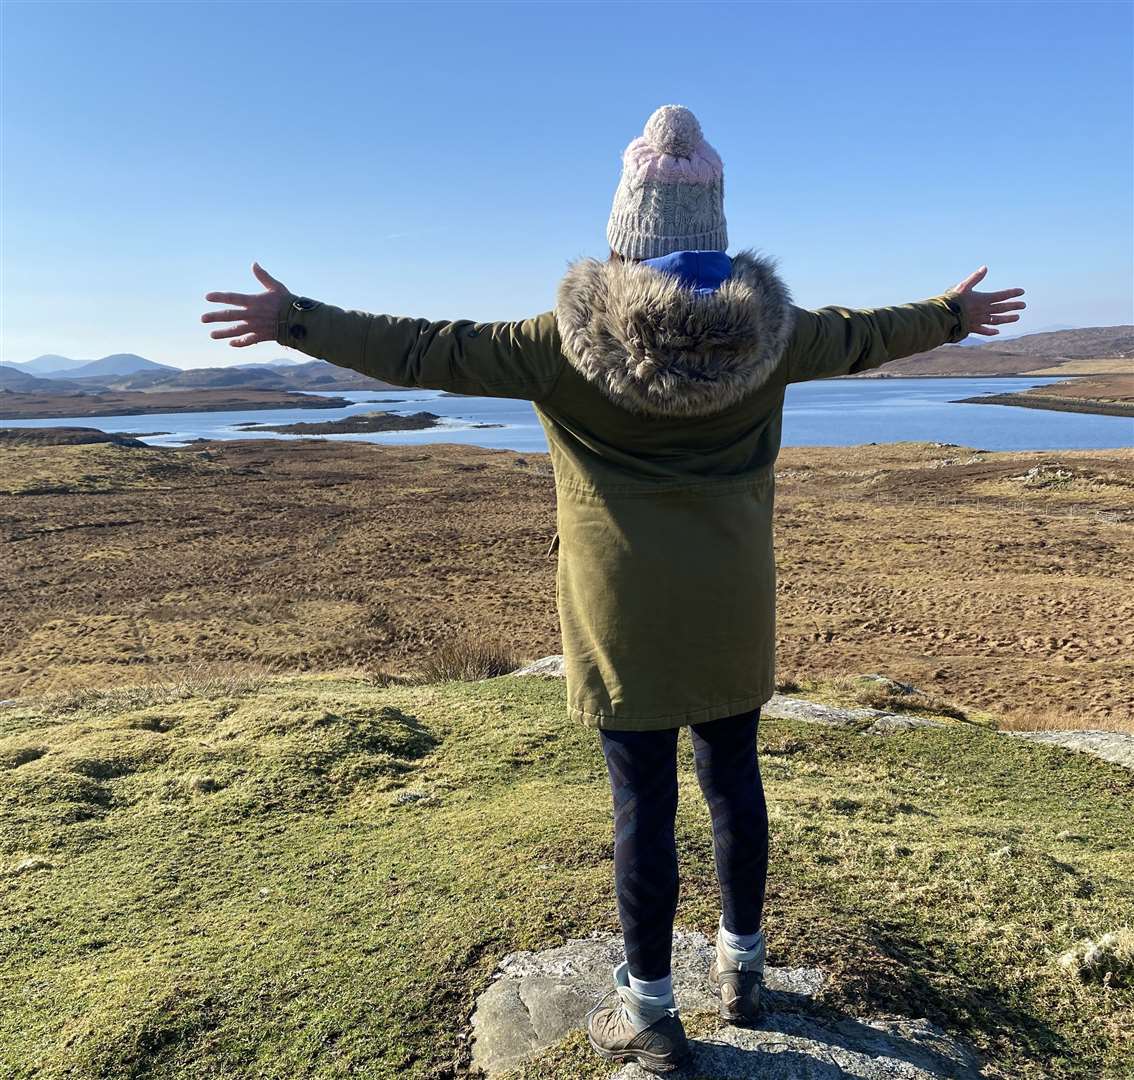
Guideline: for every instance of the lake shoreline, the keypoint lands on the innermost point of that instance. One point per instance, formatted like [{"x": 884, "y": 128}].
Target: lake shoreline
[
  {"x": 1102, "y": 395},
  {"x": 833, "y": 411},
  {"x": 16, "y": 406},
  {"x": 1069, "y": 404}
]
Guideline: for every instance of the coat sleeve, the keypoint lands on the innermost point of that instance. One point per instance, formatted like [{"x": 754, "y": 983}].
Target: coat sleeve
[
  {"x": 519, "y": 359},
  {"x": 842, "y": 341}
]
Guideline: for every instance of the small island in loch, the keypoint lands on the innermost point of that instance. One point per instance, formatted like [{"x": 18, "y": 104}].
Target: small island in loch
[{"x": 362, "y": 423}]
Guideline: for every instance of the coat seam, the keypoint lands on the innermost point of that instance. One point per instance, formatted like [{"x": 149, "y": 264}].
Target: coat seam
[
  {"x": 751, "y": 700},
  {"x": 556, "y": 381}
]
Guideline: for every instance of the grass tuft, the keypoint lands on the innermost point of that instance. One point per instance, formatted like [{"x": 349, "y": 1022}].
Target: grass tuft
[
  {"x": 466, "y": 658},
  {"x": 873, "y": 692},
  {"x": 1108, "y": 960}
]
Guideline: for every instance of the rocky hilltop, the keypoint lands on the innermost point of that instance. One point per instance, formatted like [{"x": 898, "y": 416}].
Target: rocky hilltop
[{"x": 383, "y": 877}]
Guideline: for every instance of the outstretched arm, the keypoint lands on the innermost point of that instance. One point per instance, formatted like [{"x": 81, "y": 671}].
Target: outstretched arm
[
  {"x": 500, "y": 359},
  {"x": 842, "y": 341}
]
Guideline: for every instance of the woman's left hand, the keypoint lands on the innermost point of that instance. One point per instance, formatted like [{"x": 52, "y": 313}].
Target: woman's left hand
[
  {"x": 256, "y": 316},
  {"x": 984, "y": 311}
]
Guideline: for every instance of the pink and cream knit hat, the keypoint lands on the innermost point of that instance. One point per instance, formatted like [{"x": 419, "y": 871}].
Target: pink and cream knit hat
[{"x": 671, "y": 194}]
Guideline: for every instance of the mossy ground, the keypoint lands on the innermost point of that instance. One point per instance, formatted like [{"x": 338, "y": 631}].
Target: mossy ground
[{"x": 314, "y": 877}]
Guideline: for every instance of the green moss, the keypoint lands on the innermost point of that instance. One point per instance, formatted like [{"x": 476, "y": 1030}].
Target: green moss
[{"x": 315, "y": 877}]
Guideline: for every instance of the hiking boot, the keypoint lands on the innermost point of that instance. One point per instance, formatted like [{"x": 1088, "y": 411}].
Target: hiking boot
[
  {"x": 634, "y": 1028},
  {"x": 738, "y": 977}
]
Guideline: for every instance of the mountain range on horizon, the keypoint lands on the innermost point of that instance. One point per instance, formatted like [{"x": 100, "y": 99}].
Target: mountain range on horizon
[
  {"x": 54, "y": 366},
  {"x": 56, "y": 374}
]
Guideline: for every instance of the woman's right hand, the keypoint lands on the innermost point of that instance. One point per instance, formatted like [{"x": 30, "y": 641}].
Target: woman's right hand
[{"x": 257, "y": 314}]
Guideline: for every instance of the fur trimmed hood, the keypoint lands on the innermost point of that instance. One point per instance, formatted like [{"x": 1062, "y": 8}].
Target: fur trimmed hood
[{"x": 655, "y": 346}]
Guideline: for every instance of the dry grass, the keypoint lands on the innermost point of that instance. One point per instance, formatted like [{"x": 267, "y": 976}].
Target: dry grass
[
  {"x": 1113, "y": 387},
  {"x": 1109, "y": 961},
  {"x": 937, "y": 565},
  {"x": 871, "y": 692},
  {"x": 205, "y": 681},
  {"x": 468, "y": 659},
  {"x": 1051, "y": 718},
  {"x": 1118, "y": 366}
]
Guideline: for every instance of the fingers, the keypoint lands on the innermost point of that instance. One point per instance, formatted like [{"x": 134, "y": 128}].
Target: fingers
[
  {"x": 266, "y": 279},
  {"x": 229, "y": 315},
  {"x": 232, "y": 331},
  {"x": 251, "y": 339},
  {"x": 973, "y": 278},
  {"x": 981, "y": 330},
  {"x": 253, "y": 314},
  {"x": 230, "y": 298},
  {"x": 1018, "y": 306},
  {"x": 1004, "y": 294},
  {"x": 996, "y": 320}
]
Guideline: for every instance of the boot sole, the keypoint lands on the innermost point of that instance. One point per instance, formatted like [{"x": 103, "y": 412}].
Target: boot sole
[{"x": 648, "y": 1061}]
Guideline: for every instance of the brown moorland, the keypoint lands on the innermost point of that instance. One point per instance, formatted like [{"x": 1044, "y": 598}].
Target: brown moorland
[
  {"x": 16, "y": 406},
  {"x": 997, "y": 581}
]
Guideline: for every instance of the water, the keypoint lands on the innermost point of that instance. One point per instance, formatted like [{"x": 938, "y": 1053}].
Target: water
[{"x": 832, "y": 412}]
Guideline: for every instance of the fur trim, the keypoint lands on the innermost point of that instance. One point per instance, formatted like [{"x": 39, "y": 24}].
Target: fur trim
[{"x": 655, "y": 346}]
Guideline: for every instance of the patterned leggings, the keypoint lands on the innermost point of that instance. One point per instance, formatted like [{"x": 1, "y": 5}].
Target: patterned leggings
[{"x": 643, "y": 781}]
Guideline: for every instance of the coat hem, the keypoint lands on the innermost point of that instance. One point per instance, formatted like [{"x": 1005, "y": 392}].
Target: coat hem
[{"x": 610, "y": 722}]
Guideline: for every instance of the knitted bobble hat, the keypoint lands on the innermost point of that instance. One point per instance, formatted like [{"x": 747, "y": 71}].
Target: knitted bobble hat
[{"x": 671, "y": 193}]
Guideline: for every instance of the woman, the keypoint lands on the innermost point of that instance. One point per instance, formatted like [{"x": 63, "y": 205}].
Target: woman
[{"x": 659, "y": 379}]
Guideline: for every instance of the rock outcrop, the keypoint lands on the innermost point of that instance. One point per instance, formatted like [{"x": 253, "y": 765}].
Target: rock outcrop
[
  {"x": 1116, "y": 747},
  {"x": 550, "y": 667},
  {"x": 539, "y": 998},
  {"x": 782, "y": 707}
]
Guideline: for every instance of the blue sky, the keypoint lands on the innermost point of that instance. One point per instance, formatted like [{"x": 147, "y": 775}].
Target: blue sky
[{"x": 448, "y": 160}]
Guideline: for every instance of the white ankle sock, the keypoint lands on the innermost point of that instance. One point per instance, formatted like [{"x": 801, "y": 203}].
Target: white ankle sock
[
  {"x": 643, "y": 1003},
  {"x": 738, "y": 942},
  {"x": 655, "y": 988}
]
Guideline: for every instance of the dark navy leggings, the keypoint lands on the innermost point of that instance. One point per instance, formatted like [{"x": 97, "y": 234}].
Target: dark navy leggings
[{"x": 643, "y": 782}]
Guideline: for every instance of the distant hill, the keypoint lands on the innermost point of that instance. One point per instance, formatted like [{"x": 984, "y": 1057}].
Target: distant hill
[
  {"x": 958, "y": 360},
  {"x": 53, "y": 366},
  {"x": 262, "y": 378},
  {"x": 1048, "y": 352},
  {"x": 309, "y": 375},
  {"x": 48, "y": 362},
  {"x": 1080, "y": 343},
  {"x": 116, "y": 364},
  {"x": 18, "y": 380}
]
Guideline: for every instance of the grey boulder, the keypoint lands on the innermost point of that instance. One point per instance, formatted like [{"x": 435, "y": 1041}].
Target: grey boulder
[
  {"x": 549, "y": 667},
  {"x": 1117, "y": 747},
  {"x": 782, "y": 707}
]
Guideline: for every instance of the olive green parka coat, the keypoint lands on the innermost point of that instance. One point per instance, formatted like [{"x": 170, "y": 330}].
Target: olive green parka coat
[{"x": 662, "y": 408}]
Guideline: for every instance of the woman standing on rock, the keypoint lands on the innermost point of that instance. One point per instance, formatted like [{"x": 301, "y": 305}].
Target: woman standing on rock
[{"x": 659, "y": 379}]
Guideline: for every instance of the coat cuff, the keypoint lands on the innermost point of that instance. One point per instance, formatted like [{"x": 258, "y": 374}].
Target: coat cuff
[
  {"x": 952, "y": 300},
  {"x": 292, "y": 319}
]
